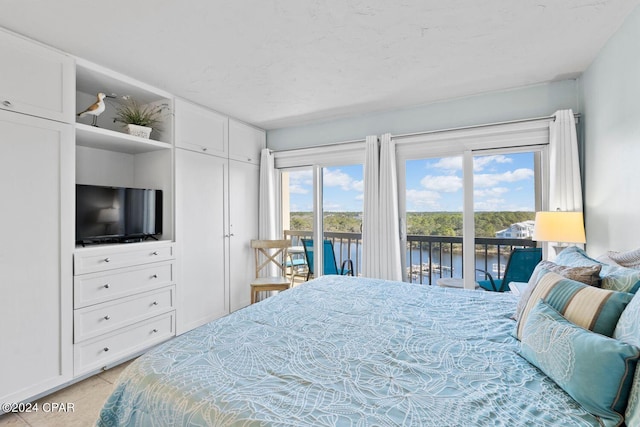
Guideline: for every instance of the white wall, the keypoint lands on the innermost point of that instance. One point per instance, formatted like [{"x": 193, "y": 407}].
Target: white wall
[
  {"x": 611, "y": 99},
  {"x": 520, "y": 103}
]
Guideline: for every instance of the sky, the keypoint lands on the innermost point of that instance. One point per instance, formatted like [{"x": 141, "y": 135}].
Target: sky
[{"x": 501, "y": 183}]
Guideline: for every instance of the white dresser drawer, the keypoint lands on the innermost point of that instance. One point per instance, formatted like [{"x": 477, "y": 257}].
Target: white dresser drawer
[
  {"x": 98, "y": 319},
  {"x": 95, "y": 353},
  {"x": 90, "y": 260},
  {"x": 95, "y": 288}
]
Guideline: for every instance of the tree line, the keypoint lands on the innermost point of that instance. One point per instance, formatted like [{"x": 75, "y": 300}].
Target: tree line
[{"x": 420, "y": 223}]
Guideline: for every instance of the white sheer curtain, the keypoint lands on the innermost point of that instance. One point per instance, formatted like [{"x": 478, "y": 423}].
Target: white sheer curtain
[
  {"x": 390, "y": 260},
  {"x": 565, "y": 184},
  {"x": 565, "y": 192},
  {"x": 380, "y": 230},
  {"x": 370, "y": 234},
  {"x": 268, "y": 221}
]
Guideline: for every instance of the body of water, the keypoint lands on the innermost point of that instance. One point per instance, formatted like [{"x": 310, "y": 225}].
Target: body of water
[{"x": 417, "y": 263}]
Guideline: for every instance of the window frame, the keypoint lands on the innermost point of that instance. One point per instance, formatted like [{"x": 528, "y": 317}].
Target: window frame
[
  {"x": 317, "y": 158},
  {"x": 505, "y": 138}
]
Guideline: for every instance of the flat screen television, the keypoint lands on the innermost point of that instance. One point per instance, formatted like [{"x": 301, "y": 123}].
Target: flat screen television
[{"x": 117, "y": 214}]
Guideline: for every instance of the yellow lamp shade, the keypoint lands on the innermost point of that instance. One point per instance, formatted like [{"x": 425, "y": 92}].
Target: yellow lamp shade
[{"x": 559, "y": 226}]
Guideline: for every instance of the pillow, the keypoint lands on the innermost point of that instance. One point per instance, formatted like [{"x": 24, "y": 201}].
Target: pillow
[
  {"x": 592, "y": 308},
  {"x": 613, "y": 277},
  {"x": 589, "y": 275},
  {"x": 620, "y": 279},
  {"x": 628, "y": 331},
  {"x": 604, "y": 259},
  {"x": 629, "y": 259},
  {"x": 596, "y": 371},
  {"x": 573, "y": 256}
]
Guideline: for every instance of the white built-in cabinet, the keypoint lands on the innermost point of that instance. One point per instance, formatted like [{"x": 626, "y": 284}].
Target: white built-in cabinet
[
  {"x": 193, "y": 122},
  {"x": 35, "y": 80},
  {"x": 216, "y": 217},
  {"x": 124, "y": 294},
  {"x": 124, "y": 302},
  {"x": 67, "y": 310},
  {"x": 36, "y": 169},
  {"x": 244, "y": 181},
  {"x": 245, "y": 142},
  {"x": 203, "y": 294}
]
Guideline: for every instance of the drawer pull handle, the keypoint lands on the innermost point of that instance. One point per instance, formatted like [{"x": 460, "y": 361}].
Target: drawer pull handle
[
  {"x": 154, "y": 253},
  {"x": 204, "y": 148},
  {"x": 7, "y": 104},
  {"x": 155, "y": 330},
  {"x": 106, "y": 349},
  {"x": 106, "y": 286},
  {"x": 154, "y": 303},
  {"x": 107, "y": 259},
  {"x": 107, "y": 317},
  {"x": 155, "y": 276}
]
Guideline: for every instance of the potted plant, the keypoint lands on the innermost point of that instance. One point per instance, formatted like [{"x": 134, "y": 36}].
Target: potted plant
[{"x": 138, "y": 119}]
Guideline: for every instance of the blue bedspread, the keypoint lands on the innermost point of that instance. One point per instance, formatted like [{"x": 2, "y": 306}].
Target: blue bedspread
[{"x": 347, "y": 352}]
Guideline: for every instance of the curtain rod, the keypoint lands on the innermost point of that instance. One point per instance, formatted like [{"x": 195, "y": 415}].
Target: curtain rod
[{"x": 404, "y": 135}]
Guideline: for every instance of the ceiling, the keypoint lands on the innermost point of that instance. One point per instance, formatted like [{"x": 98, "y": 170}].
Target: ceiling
[{"x": 281, "y": 63}]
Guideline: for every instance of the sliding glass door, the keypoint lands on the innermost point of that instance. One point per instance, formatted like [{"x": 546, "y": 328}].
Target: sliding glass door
[
  {"x": 340, "y": 192},
  {"x": 433, "y": 217},
  {"x": 463, "y": 213},
  {"x": 505, "y": 197}
]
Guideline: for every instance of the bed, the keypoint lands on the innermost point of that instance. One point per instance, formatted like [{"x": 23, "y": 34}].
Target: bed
[{"x": 348, "y": 352}]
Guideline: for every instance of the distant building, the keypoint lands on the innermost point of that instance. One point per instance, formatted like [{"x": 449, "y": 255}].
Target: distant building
[{"x": 519, "y": 230}]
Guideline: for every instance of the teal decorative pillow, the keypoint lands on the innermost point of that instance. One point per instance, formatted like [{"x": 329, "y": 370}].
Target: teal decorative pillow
[
  {"x": 613, "y": 277},
  {"x": 589, "y": 275},
  {"x": 592, "y": 308},
  {"x": 595, "y": 370},
  {"x": 573, "y": 256},
  {"x": 620, "y": 279},
  {"x": 628, "y": 331}
]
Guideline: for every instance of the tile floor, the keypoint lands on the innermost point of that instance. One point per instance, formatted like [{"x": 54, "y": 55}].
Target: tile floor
[{"x": 87, "y": 397}]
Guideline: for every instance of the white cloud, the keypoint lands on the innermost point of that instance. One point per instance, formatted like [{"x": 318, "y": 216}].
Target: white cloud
[
  {"x": 449, "y": 163},
  {"x": 301, "y": 177},
  {"x": 360, "y": 196},
  {"x": 445, "y": 183},
  {"x": 491, "y": 180},
  {"x": 423, "y": 199},
  {"x": 479, "y": 163},
  {"x": 337, "y": 178},
  {"x": 491, "y": 192},
  {"x": 298, "y": 189}
]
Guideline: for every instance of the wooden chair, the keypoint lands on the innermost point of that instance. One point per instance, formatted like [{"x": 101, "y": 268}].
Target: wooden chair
[{"x": 270, "y": 253}]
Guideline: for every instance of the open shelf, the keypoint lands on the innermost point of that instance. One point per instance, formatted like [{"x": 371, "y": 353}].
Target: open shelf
[
  {"x": 92, "y": 79},
  {"x": 105, "y": 139}
]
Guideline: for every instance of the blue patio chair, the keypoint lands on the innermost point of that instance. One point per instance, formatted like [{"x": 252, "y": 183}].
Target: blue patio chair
[
  {"x": 520, "y": 266},
  {"x": 330, "y": 264}
]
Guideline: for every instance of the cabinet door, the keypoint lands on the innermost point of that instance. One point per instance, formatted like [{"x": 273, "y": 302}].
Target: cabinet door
[
  {"x": 243, "y": 226},
  {"x": 35, "y": 80},
  {"x": 36, "y": 166},
  {"x": 199, "y": 129},
  {"x": 202, "y": 294},
  {"x": 245, "y": 142}
]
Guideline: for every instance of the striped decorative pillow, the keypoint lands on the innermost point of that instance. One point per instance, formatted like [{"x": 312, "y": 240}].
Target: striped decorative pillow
[{"x": 592, "y": 308}]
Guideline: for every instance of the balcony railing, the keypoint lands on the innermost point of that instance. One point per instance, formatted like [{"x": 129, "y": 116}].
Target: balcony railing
[{"x": 428, "y": 257}]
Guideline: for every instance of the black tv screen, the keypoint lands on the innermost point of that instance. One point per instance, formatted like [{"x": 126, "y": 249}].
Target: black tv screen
[{"x": 106, "y": 214}]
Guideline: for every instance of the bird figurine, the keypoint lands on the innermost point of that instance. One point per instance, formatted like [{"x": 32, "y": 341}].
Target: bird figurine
[{"x": 95, "y": 109}]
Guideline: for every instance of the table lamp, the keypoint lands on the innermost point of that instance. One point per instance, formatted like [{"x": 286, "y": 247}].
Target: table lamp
[{"x": 559, "y": 227}]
